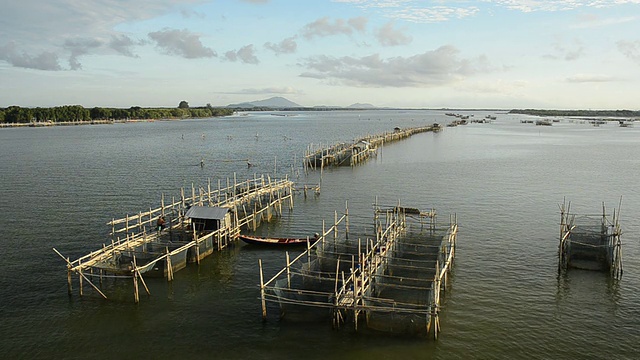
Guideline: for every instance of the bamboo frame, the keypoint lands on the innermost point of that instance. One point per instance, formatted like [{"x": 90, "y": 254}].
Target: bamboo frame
[
  {"x": 268, "y": 194},
  {"x": 352, "y": 291}
]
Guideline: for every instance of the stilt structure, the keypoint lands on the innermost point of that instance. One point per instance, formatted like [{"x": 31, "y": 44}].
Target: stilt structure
[
  {"x": 390, "y": 276},
  {"x": 196, "y": 225},
  {"x": 590, "y": 242},
  {"x": 356, "y": 153}
]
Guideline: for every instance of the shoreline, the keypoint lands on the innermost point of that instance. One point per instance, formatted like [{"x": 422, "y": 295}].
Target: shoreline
[{"x": 92, "y": 122}]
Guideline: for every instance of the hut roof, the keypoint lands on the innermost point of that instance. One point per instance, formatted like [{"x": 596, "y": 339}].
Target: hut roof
[{"x": 207, "y": 212}]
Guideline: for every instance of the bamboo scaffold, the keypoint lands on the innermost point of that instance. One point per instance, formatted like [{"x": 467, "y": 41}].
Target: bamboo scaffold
[
  {"x": 138, "y": 245},
  {"x": 351, "y": 154},
  {"x": 590, "y": 242},
  {"x": 391, "y": 276}
]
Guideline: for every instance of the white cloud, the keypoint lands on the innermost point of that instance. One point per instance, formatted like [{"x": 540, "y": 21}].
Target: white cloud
[
  {"x": 428, "y": 11},
  {"x": 630, "y": 49},
  {"x": 387, "y": 35},
  {"x": 49, "y": 28},
  {"x": 123, "y": 44},
  {"x": 563, "y": 51},
  {"x": 181, "y": 42},
  {"x": 557, "y": 5},
  {"x": 245, "y": 54},
  {"x": 78, "y": 47},
  {"x": 432, "y": 68},
  {"x": 286, "y": 46},
  {"x": 43, "y": 61},
  {"x": 325, "y": 27}
]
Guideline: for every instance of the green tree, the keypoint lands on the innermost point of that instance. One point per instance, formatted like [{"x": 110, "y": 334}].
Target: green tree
[
  {"x": 183, "y": 105},
  {"x": 98, "y": 113}
]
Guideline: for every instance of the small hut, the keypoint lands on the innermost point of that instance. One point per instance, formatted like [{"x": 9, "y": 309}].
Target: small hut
[{"x": 209, "y": 218}]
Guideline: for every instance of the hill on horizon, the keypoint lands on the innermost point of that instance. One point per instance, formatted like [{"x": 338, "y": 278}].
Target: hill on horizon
[
  {"x": 274, "y": 102},
  {"x": 279, "y": 102}
]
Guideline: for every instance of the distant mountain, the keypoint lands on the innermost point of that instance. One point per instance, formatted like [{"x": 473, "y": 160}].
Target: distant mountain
[
  {"x": 274, "y": 102},
  {"x": 361, "y": 106}
]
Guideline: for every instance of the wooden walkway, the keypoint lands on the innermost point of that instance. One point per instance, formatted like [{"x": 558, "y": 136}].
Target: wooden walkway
[
  {"x": 351, "y": 154},
  {"x": 137, "y": 247}
]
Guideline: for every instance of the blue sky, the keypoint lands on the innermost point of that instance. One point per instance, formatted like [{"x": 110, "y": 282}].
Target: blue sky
[{"x": 579, "y": 54}]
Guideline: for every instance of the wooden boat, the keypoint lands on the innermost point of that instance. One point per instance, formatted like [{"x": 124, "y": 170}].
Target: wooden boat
[{"x": 275, "y": 240}]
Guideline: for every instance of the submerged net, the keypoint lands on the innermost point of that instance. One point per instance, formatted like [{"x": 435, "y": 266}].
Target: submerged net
[
  {"x": 588, "y": 247},
  {"x": 399, "y": 291},
  {"x": 401, "y": 297}
]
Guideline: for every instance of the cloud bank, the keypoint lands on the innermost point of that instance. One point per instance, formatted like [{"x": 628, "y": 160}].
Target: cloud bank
[{"x": 432, "y": 68}]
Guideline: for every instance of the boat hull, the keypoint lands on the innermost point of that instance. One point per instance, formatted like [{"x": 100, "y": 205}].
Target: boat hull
[{"x": 257, "y": 240}]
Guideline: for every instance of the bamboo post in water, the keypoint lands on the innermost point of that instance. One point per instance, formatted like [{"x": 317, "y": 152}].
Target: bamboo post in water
[
  {"x": 195, "y": 238},
  {"x": 69, "y": 282},
  {"x": 262, "y": 293},
  {"x": 335, "y": 226},
  {"x": 80, "y": 276},
  {"x": 346, "y": 219},
  {"x": 288, "y": 271},
  {"x": 169, "y": 267}
]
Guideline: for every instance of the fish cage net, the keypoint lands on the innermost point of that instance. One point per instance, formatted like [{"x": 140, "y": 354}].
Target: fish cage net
[
  {"x": 391, "y": 318},
  {"x": 391, "y": 282},
  {"x": 589, "y": 247},
  {"x": 401, "y": 297}
]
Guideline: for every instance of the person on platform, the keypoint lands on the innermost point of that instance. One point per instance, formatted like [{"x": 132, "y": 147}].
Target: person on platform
[{"x": 161, "y": 223}]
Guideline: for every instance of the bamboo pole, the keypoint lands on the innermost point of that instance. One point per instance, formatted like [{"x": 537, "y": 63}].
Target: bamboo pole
[
  {"x": 69, "y": 265},
  {"x": 346, "y": 211},
  {"x": 137, "y": 271},
  {"x": 136, "y": 295},
  {"x": 288, "y": 271},
  {"x": 169, "y": 266},
  {"x": 262, "y": 293},
  {"x": 69, "y": 282},
  {"x": 197, "y": 245}
]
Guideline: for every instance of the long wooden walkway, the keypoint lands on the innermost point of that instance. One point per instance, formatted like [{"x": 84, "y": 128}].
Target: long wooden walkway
[
  {"x": 137, "y": 247},
  {"x": 359, "y": 151}
]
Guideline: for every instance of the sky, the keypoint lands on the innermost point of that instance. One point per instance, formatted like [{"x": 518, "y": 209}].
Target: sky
[{"x": 506, "y": 54}]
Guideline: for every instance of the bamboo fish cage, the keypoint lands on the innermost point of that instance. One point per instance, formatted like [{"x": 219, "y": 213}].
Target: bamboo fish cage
[
  {"x": 590, "y": 242},
  {"x": 390, "y": 276},
  {"x": 138, "y": 245}
]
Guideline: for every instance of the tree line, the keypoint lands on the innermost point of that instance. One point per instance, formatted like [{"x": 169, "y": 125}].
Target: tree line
[
  {"x": 602, "y": 113},
  {"x": 77, "y": 113}
]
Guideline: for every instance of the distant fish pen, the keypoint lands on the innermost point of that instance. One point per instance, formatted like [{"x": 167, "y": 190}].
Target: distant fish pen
[
  {"x": 351, "y": 154},
  {"x": 161, "y": 241},
  {"x": 390, "y": 275},
  {"x": 590, "y": 242}
]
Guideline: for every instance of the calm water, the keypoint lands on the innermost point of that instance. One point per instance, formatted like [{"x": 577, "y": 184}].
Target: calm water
[{"x": 504, "y": 181}]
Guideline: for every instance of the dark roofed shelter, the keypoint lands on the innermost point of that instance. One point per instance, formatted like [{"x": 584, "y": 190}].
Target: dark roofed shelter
[{"x": 209, "y": 218}]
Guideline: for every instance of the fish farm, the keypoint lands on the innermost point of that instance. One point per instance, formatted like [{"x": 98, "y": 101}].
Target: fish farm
[
  {"x": 356, "y": 153},
  {"x": 590, "y": 242},
  {"x": 161, "y": 241},
  {"x": 387, "y": 277}
]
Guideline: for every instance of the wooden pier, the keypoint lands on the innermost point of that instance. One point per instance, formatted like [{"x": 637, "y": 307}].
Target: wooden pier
[
  {"x": 391, "y": 276},
  {"x": 351, "y": 154},
  {"x": 194, "y": 226},
  {"x": 590, "y": 242}
]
